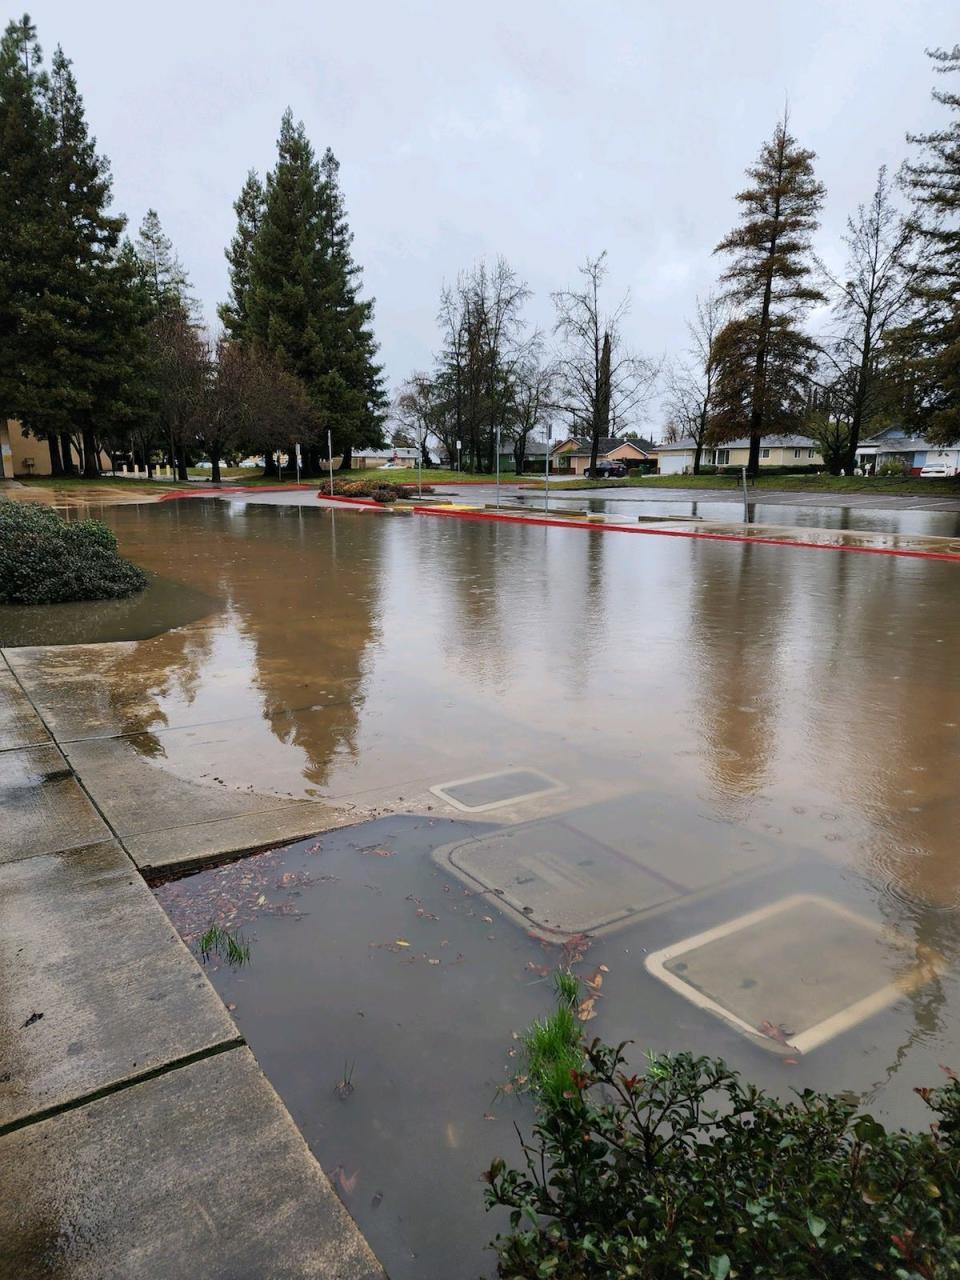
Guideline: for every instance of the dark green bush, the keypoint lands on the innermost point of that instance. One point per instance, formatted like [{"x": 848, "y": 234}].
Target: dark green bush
[
  {"x": 685, "y": 1171},
  {"x": 377, "y": 489},
  {"x": 47, "y": 560}
]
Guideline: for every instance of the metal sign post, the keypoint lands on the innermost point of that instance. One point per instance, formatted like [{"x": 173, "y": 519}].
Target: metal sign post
[
  {"x": 296, "y": 449},
  {"x": 459, "y": 446},
  {"x": 423, "y": 440},
  {"x": 546, "y": 471},
  {"x": 278, "y": 458},
  {"x": 330, "y": 459},
  {"x": 498, "y": 467},
  {"x": 746, "y": 509}
]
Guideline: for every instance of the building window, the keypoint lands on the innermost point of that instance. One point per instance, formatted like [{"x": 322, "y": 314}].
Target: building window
[
  {"x": 723, "y": 457},
  {"x": 764, "y": 453},
  {"x": 811, "y": 453},
  {"x": 796, "y": 453}
]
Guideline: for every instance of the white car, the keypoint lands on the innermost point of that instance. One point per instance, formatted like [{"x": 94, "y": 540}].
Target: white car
[
  {"x": 941, "y": 469},
  {"x": 392, "y": 466}
]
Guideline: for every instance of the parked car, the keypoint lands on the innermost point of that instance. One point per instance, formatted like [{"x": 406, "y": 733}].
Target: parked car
[
  {"x": 392, "y": 466},
  {"x": 606, "y": 471},
  {"x": 941, "y": 469}
]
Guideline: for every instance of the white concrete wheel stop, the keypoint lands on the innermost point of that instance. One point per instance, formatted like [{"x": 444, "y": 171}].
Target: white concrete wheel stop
[
  {"x": 592, "y": 870},
  {"x": 484, "y": 792},
  {"x": 794, "y": 974}
]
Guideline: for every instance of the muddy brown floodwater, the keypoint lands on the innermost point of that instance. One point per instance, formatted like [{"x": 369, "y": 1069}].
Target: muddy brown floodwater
[{"x": 735, "y": 767}]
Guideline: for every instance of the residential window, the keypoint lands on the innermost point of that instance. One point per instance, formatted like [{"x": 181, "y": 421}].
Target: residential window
[
  {"x": 764, "y": 453},
  {"x": 811, "y": 453},
  {"x": 723, "y": 457}
]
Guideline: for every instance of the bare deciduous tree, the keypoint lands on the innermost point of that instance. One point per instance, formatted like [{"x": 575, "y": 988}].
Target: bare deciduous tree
[
  {"x": 601, "y": 384},
  {"x": 690, "y": 389}
]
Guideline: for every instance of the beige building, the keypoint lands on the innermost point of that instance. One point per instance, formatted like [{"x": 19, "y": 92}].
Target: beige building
[
  {"x": 775, "y": 451},
  {"x": 23, "y": 455},
  {"x": 572, "y": 457}
]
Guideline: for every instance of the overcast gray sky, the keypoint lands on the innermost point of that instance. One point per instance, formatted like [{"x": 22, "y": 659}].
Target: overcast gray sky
[{"x": 542, "y": 130}]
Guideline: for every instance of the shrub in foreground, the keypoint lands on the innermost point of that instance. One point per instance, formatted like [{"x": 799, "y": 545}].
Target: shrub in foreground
[
  {"x": 686, "y": 1171},
  {"x": 47, "y": 560}
]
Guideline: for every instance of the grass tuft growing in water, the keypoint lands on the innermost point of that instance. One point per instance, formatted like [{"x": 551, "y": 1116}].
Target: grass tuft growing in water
[
  {"x": 553, "y": 1045},
  {"x": 221, "y": 942}
]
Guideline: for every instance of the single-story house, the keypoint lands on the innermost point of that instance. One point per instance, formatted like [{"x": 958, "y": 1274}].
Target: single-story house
[
  {"x": 26, "y": 455},
  {"x": 367, "y": 459},
  {"x": 572, "y": 457},
  {"x": 903, "y": 445},
  {"x": 775, "y": 451},
  {"x": 534, "y": 456}
]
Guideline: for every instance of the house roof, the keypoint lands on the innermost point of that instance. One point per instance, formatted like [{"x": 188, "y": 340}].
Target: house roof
[
  {"x": 686, "y": 445},
  {"x": 607, "y": 444},
  {"x": 897, "y": 436}
]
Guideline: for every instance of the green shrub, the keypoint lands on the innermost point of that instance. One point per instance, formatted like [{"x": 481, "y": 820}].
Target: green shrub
[
  {"x": 378, "y": 490},
  {"x": 685, "y": 1171},
  {"x": 46, "y": 560},
  {"x": 892, "y": 467}
]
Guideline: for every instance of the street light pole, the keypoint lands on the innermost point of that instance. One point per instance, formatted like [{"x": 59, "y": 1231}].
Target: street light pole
[
  {"x": 420, "y": 465},
  {"x": 330, "y": 459}
]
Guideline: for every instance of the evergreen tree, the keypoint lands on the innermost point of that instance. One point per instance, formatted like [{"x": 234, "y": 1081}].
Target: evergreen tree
[
  {"x": 26, "y": 249},
  {"x": 300, "y": 300},
  {"x": 931, "y": 342},
  {"x": 89, "y": 348},
  {"x": 249, "y": 211},
  {"x": 177, "y": 352},
  {"x": 769, "y": 281}
]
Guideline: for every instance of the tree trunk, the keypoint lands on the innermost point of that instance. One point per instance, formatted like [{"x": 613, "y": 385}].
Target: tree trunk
[
  {"x": 269, "y": 464},
  {"x": 66, "y": 452},
  {"x": 347, "y": 462},
  {"x": 91, "y": 455},
  {"x": 214, "y": 466},
  {"x": 697, "y": 455},
  {"x": 56, "y": 461},
  {"x": 182, "y": 473}
]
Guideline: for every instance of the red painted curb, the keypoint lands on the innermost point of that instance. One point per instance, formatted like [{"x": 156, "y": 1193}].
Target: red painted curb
[{"x": 688, "y": 533}]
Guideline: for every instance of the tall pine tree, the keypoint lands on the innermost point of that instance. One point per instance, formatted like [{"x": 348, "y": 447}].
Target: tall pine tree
[
  {"x": 769, "y": 280},
  {"x": 295, "y": 292},
  {"x": 931, "y": 342},
  {"x": 27, "y": 251},
  {"x": 249, "y": 210}
]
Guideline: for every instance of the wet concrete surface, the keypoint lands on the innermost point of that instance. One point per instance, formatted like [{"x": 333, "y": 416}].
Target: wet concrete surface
[
  {"x": 198, "y": 1174},
  {"x": 44, "y": 807},
  {"x": 104, "y": 989},
  {"x": 20, "y": 726}
]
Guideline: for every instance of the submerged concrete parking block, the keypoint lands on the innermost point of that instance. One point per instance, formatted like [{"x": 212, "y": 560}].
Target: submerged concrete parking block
[
  {"x": 199, "y": 1174},
  {"x": 43, "y": 806},
  {"x": 100, "y": 988},
  {"x": 795, "y": 974}
]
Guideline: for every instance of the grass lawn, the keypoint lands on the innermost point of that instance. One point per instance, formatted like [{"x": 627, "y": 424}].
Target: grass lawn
[{"x": 825, "y": 484}]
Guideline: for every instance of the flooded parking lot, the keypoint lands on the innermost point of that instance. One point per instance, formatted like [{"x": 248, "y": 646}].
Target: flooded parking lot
[{"x": 734, "y": 767}]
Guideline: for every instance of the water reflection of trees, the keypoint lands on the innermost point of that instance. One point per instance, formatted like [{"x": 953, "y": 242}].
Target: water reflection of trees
[
  {"x": 739, "y": 600},
  {"x": 303, "y": 595}
]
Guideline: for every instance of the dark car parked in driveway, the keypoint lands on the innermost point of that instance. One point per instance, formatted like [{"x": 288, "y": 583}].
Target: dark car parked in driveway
[{"x": 606, "y": 471}]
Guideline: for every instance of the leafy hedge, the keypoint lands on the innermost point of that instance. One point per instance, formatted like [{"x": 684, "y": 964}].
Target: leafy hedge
[
  {"x": 47, "y": 560},
  {"x": 683, "y": 1170},
  {"x": 378, "y": 490}
]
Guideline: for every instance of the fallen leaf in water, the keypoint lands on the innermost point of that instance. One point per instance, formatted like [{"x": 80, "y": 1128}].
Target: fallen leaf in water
[
  {"x": 401, "y": 942},
  {"x": 541, "y": 969},
  {"x": 376, "y": 1200},
  {"x": 595, "y": 982},
  {"x": 433, "y": 961},
  {"x": 487, "y": 919},
  {"x": 231, "y": 1007},
  {"x": 348, "y": 1184},
  {"x": 773, "y": 1031},
  {"x": 381, "y": 853},
  {"x": 488, "y": 1116},
  {"x": 585, "y": 1010}
]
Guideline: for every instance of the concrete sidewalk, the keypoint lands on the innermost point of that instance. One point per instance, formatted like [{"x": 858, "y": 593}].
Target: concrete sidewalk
[{"x": 138, "y": 1137}]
